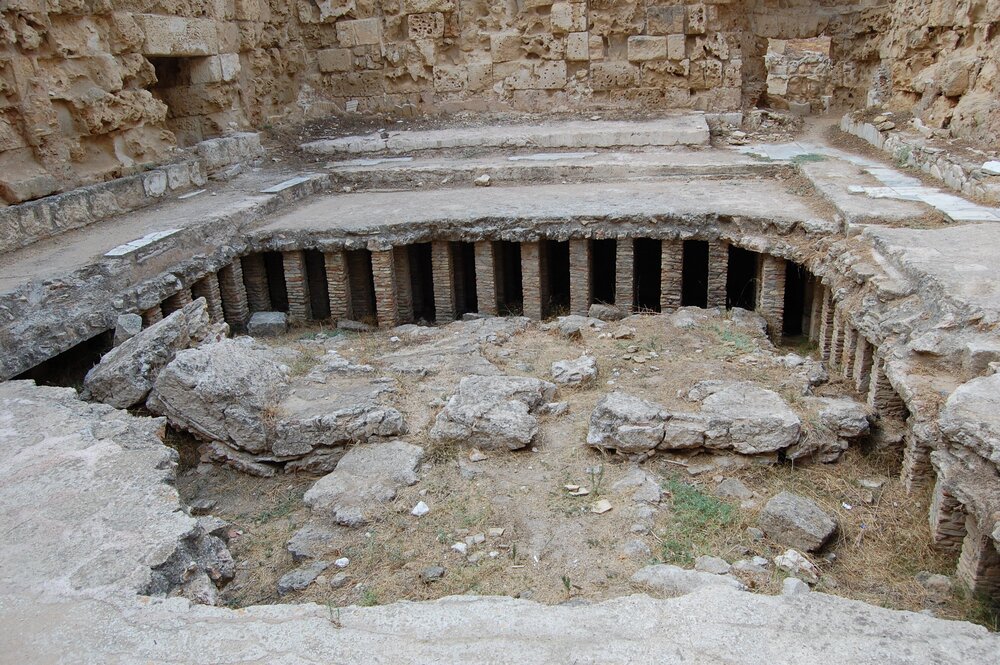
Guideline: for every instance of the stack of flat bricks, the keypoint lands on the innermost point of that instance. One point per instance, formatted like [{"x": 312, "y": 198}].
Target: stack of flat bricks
[
  {"x": 882, "y": 397},
  {"x": 718, "y": 272},
  {"x": 534, "y": 279},
  {"x": 625, "y": 274},
  {"x": 671, "y": 274},
  {"x": 863, "y": 357},
  {"x": 152, "y": 315},
  {"x": 337, "y": 284},
  {"x": 404, "y": 288},
  {"x": 826, "y": 324},
  {"x": 849, "y": 351},
  {"x": 836, "y": 341},
  {"x": 580, "y": 287},
  {"x": 234, "y": 295},
  {"x": 771, "y": 294},
  {"x": 979, "y": 562},
  {"x": 947, "y": 519},
  {"x": 916, "y": 470},
  {"x": 208, "y": 288},
  {"x": 255, "y": 281},
  {"x": 816, "y": 313},
  {"x": 299, "y": 308},
  {"x": 383, "y": 274},
  {"x": 177, "y": 301},
  {"x": 443, "y": 267},
  {"x": 486, "y": 277}
]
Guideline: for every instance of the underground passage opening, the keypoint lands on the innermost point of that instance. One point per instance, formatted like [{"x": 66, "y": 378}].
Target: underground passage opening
[
  {"x": 694, "y": 276},
  {"x": 466, "y": 301},
  {"x": 741, "y": 281},
  {"x": 510, "y": 297},
  {"x": 319, "y": 296},
  {"x": 602, "y": 270},
  {"x": 421, "y": 281},
  {"x": 796, "y": 320},
  {"x": 362, "y": 284},
  {"x": 69, "y": 367},
  {"x": 274, "y": 266},
  {"x": 556, "y": 260},
  {"x": 647, "y": 265}
]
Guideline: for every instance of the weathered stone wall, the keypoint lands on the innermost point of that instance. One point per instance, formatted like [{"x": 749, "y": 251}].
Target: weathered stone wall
[{"x": 942, "y": 62}]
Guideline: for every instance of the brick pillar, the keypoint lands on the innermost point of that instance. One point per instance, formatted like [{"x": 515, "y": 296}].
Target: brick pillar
[
  {"x": 338, "y": 285},
  {"x": 771, "y": 294},
  {"x": 234, "y": 295},
  {"x": 208, "y": 288},
  {"x": 443, "y": 266},
  {"x": 836, "y": 341},
  {"x": 151, "y": 316},
  {"x": 816, "y": 312},
  {"x": 404, "y": 283},
  {"x": 862, "y": 365},
  {"x": 486, "y": 277},
  {"x": 625, "y": 274},
  {"x": 979, "y": 562},
  {"x": 299, "y": 308},
  {"x": 718, "y": 272},
  {"x": 850, "y": 349},
  {"x": 882, "y": 397},
  {"x": 918, "y": 442},
  {"x": 383, "y": 272},
  {"x": 581, "y": 291},
  {"x": 255, "y": 281},
  {"x": 671, "y": 274},
  {"x": 533, "y": 279},
  {"x": 826, "y": 324},
  {"x": 947, "y": 519},
  {"x": 177, "y": 301}
]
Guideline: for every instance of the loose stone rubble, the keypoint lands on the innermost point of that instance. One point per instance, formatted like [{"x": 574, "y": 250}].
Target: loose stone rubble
[{"x": 796, "y": 521}]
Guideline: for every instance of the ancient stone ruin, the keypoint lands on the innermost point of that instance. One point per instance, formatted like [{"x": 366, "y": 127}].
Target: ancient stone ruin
[{"x": 529, "y": 331}]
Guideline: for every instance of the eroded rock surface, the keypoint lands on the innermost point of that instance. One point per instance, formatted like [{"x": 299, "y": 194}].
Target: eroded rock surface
[
  {"x": 126, "y": 374},
  {"x": 367, "y": 475}
]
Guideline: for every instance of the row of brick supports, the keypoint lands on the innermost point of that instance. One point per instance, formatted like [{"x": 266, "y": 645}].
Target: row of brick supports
[{"x": 224, "y": 293}]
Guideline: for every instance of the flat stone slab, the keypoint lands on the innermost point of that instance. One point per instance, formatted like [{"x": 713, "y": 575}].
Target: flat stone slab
[
  {"x": 670, "y": 131},
  {"x": 84, "y": 492},
  {"x": 267, "y": 324}
]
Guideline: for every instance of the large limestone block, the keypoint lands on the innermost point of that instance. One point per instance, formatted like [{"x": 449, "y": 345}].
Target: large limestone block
[
  {"x": 577, "y": 372},
  {"x": 126, "y": 374},
  {"x": 627, "y": 423},
  {"x": 971, "y": 417},
  {"x": 796, "y": 521},
  {"x": 366, "y": 476},
  {"x": 748, "y": 418},
  {"x": 493, "y": 412},
  {"x": 177, "y": 35}
]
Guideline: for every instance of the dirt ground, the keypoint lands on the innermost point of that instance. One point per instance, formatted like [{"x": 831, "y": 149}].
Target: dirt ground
[{"x": 553, "y": 548}]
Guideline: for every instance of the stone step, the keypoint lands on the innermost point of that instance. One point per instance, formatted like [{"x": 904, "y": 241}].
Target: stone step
[
  {"x": 677, "y": 130},
  {"x": 553, "y": 167}
]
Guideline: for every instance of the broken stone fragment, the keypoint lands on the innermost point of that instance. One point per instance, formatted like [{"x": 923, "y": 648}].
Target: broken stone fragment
[
  {"x": 795, "y": 521},
  {"x": 368, "y": 475},
  {"x": 267, "y": 324},
  {"x": 796, "y": 564},
  {"x": 578, "y": 372},
  {"x": 126, "y": 374},
  {"x": 301, "y": 577},
  {"x": 127, "y": 326},
  {"x": 493, "y": 412},
  {"x": 626, "y": 423}
]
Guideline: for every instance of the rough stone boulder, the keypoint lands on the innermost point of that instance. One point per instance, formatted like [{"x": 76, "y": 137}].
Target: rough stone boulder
[
  {"x": 239, "y": 395},
  {"x": 746, "y": 417},
  {"x": 795, "y": 521},
  {"x": 672, "y": 581},
  {"x": 735, "y": 415},
  {"x": 126, "y": 374},
  {"x": 971, "y": 417},
  {"x": 577, "y": 372},
  {"x": 367, "y": 475},
  {"x": 839, "y": 421},
  {"x": 626, "y": 423},
  {"x": 491, "y": 412}
]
